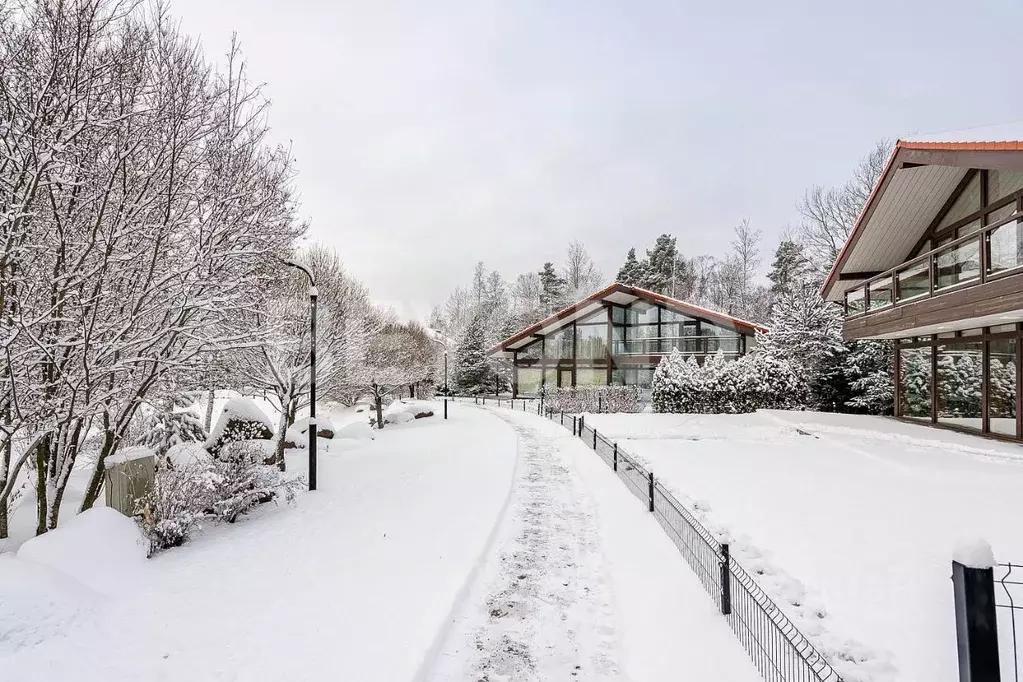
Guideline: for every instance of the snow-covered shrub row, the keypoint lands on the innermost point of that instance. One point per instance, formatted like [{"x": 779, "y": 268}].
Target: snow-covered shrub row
[
  {"x": 582, "y": 399},
  {"x": 749, "y": 383},
  {"x": 164, "y": 430},
  {"x": 192, "y": 486}
]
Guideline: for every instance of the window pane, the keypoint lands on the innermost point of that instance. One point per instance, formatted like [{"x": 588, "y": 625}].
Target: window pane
[
  {"x": 640, "y": 312},
  {"x": 673, "y": 316},
  {"x": 618, "y": 315},
  {"x": 915, "y": 383},
  {"x": 960, "y": 368},
  {"x": 590, "y": 376},
  {"x": 591, "y": 341},
  {"x": 528, "y": 379},
  {"x": 1000, "y": 214},
  {"x": 1006, "y": 247},
  {"x": 968, "y": 228},
  {"x": 958, "y": 264},
  {"x": 1002, "y": 387},
  {"x": 1002, "y": 184},
  {"x": 559, "y": 345},
  {"x": 594, "y": 318},
  {"x": 914, "y": 280},
  {"x": 967, "y": 203},
  {"x": 530, "y": 352},
  {"x": 855, "y": 302},
  {"x": 880, "y": 293}
]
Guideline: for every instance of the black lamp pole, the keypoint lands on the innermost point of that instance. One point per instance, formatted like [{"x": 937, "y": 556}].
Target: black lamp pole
[
  {"x": 313, "y": 293},
  {"x": 445, "y": 372}
]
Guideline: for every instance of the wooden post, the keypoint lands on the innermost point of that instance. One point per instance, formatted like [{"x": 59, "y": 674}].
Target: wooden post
[
  {"x": 651, "y": 491},
  {"x": 445, "y": 408},
  {"x": 616, "y": 457},
  {"x": 976, "y": 625}
]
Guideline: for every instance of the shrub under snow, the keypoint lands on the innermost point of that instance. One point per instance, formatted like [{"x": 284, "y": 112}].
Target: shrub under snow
[
  {"x": 579, "y": 399},
  {"x": 191, "y": 486},
  {"x": 240, "y": 419},
  {"x": 752, "y": 382}
]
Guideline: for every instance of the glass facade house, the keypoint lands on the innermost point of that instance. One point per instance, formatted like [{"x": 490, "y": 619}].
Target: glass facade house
[
  {"x": 934, "y": 265},
  {"x": 617, "y": 336}
]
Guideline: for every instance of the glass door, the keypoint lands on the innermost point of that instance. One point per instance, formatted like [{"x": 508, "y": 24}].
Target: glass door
[{"x": 565, "y": 378}]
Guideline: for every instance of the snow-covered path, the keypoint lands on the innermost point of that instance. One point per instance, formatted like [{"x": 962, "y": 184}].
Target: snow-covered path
[{"x": 583, "y": 585}]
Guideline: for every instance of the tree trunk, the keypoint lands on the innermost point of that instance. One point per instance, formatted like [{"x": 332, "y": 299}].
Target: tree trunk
[
  {"x": 95, "y": 485},
  {"x": 5, "y": 472},
  {"x": 41, "y": 453},
  {"x": 380, "y": 412},
  {"x": 209, "y": 409},
  {"x": 282, "y": 427},
  {"x": 411, "y": 390}
]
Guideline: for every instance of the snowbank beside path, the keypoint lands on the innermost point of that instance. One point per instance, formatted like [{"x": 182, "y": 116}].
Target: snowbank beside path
[
  {"x": 667, "y": 627},
  {"x": 353, "y": 582},
  {"x": 866, "y": 511}
]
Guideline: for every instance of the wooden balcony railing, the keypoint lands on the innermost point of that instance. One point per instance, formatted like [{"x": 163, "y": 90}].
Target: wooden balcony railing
[{"x": 993, "y": 251}]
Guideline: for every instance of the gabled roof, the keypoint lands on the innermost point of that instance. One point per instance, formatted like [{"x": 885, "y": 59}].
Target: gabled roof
[
  {"x": 920, "y": 174},
  {"x": 621, "y": 294}
]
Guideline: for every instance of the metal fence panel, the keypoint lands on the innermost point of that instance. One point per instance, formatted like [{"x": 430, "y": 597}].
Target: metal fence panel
[
  {"x": 778, "y": 649},
  {"x": 1009, "y": 610}
]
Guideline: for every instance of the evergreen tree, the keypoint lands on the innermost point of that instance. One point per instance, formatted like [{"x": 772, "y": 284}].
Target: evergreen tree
[
  {"x": 471, "y": 371},
  {"x": 806, "y": 332},
  {"x": 660, "y": 266},
  {"x": 631, "y": 272},
  {"x": 552, "y": 289},
  {"x": 867, "y": 367},
  {"x": 790, "y": 267}
]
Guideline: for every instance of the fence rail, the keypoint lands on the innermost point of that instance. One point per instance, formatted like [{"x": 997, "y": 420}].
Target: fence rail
[
  {"x": 1008, "y": 610},
  {"x": 776, "y": 646}
]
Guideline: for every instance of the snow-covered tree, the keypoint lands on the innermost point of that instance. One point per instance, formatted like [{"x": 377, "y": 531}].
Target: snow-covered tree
[
  {"x": 631, "y": 272},
  {"x": 580, "y": 272},
  {"x": 472, "y": 373},
  {"x": 552, "y": 289},
  {"x": 789, "y": 267}
]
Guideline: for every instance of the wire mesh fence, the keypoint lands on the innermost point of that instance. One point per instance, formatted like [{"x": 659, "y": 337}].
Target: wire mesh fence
[
  {"x": 776, "y": 646},
  {"x": 1008, "y": 610}
]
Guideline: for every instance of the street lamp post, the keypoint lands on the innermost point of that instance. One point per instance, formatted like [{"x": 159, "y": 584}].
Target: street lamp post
[
  {"x": 313, "y": 293},
  {"x": 445, "y": 371}
]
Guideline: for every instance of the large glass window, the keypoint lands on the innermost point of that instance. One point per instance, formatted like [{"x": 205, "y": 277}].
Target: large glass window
[
  {"x": 529, "y": 380},
  {"x": 642, "y": 312},
  {"x": 558, "y": 346},
  {"x": 960, "y": 375},
  {"x": 960, "y": 263},
  {"x": 1002, "y": 386},
  {"x": 590, "y": 376},
  {"x": 915, "y": 383},
  {"x": 633, "y": 376},
  {"x": 591, "y": 340}
]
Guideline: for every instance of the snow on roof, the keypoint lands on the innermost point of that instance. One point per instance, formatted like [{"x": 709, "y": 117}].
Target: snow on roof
[
  {"x": 1001, "y": 133},
  {"x": 128, "y": 455}
]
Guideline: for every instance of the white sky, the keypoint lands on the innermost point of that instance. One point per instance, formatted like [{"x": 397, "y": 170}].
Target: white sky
[{"x": 432, "y": 134}]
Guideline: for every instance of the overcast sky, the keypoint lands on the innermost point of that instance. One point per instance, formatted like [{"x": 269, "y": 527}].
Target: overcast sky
[{"x": 434, "y": 133}]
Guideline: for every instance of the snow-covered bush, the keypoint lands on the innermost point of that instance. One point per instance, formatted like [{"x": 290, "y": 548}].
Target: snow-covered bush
[
  {"x": 593, "y": 399},
  {"x": 243, "y": 480},
  {"x": 752, "y": 382},
  {"x": 179, "y": 500},
  {"x": 240, "y": 419},
  {"x": 166, "y": 429}
]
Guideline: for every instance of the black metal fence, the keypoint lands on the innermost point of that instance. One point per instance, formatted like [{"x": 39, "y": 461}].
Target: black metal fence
[
  {"x": 1009, "y": 609},
  {"x": 778, "y": 649}
]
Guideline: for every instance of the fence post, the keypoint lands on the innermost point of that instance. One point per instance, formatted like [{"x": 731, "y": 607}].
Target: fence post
[
  {"x": 563, "y": 418},
  {"x": 600, "y": 403},
  {"x": 573, "y": 425},
  {"x": 726, "y": 580},
  {"x": 445, "y": 408},
  {"x": 594, "y": 440},
  {"x": 580, "y": 433},
  {"x": 651, "y": 491},
  {"x": 616, "y": 457},
  {"x": 976, "y": 625}
]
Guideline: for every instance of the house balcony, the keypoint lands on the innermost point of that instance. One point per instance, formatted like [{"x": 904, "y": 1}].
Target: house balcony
[
  {"x": 969, "y": 282},
  {"x": 687, "y": 345}
]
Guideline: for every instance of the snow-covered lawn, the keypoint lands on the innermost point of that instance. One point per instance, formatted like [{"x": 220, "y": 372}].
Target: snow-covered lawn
[
  {"x": 864, "y": 511},
  {"x": 352, "y": 582}
]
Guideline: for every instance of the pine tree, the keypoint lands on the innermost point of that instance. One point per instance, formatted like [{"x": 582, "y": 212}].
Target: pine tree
[
  {"x": 867, "y": 367},
  {"x": 631, "y": 272},
  {"x": 660, "y": 266},
  {"x": 790, "y": 267},
  {"x": 471, "y": 371},
  {"x": 552, "y": 289}
]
